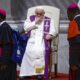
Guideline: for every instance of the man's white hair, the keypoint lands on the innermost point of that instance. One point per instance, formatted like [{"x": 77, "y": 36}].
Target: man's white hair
[{"x": 40, "y": 7}]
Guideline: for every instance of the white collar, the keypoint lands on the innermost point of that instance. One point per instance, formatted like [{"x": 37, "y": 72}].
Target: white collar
[
  {"x": 1, "y": 23},
  {"x": 76, "y": 16}
]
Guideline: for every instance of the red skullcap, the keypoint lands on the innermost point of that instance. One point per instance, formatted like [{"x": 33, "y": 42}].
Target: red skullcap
[
  {"x": 3, "y": 12},
  {"x": 73, "y": 6}
]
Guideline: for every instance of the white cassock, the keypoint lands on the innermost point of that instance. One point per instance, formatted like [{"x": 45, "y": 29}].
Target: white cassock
[{"x": 33, "y": 62}]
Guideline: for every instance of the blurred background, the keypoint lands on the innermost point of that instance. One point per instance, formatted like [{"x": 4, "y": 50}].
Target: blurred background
[{"x": 17, "y": 9}]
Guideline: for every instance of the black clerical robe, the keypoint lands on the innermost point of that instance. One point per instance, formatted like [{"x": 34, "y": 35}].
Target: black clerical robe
[{"x": 7, "y": 66}]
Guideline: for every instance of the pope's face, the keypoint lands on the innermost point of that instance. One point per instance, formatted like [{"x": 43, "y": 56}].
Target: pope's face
[{"x": 39, "y": 13}]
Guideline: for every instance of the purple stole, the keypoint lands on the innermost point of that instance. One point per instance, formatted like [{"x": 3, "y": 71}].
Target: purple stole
[{"x": 47, "y": 43}]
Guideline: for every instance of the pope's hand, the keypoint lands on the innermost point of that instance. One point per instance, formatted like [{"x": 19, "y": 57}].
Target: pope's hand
[
  {"x": 49, "y": 37},
  {"x": 38, "y": 20},
  {"x": 33, "y": 26}
]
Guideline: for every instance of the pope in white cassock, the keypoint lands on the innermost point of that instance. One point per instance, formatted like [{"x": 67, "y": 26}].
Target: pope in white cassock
[{"x": 36, "y": 57}]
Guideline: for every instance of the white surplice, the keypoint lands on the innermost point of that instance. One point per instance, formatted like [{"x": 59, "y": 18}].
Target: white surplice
[{"x": 35, "y": 50}]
